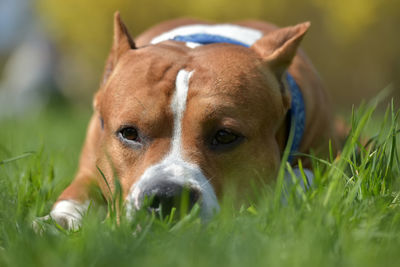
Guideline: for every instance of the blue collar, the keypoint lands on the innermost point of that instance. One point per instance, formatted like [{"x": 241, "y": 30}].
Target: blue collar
[{"x": 297, "y": 112}]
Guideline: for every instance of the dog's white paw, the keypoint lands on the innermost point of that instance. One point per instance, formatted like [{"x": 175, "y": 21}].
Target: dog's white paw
[
  {"x": 69, "y": 214},
  {"x": 66, "y": 220},
  {"x": 66, "y": 213},
  {"x": 40, "y": 224}
]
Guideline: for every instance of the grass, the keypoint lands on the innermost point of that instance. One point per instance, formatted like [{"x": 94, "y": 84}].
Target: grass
[{"x": 350, "y": 216}]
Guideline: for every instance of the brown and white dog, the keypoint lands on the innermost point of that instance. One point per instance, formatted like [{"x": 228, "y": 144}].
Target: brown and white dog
[{"x": 173, "y": 115}]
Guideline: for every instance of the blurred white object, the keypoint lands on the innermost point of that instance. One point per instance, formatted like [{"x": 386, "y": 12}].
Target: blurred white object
[
  {"x": 299, "y": 178},
  {"x": 296, "y": 179},
  {"x": 28, "y": 75},
  {"x": 15, "y": 16}
]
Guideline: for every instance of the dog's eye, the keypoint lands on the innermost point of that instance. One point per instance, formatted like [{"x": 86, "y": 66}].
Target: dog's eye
[
  {"x": 129, "y": 134},
  {"x": 225, "y": 137}
]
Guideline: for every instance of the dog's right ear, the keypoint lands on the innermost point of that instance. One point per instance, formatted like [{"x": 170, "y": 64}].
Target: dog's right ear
[
  {"x": 279, "y": 47},
  {"x": 277, "y": 50},
  {"x": 122, "y": 42}
]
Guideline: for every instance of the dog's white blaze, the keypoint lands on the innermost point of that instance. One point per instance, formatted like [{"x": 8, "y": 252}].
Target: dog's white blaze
[
  {"x": 243, "y": 34},
  {"x": 174, "y": 166},
  {"x": 178, "y": 106}
]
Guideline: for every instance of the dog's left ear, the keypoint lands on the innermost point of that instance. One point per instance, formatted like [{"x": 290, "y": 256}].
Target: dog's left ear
[
  {"x": 122, "y": 42},
  {"x": 279, "y": 47}
]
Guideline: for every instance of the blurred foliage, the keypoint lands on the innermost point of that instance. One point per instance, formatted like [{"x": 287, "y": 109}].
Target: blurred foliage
[{"x": 353, "y": 43}]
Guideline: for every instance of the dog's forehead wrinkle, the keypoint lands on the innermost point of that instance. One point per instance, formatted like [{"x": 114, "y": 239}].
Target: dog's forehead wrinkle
[{"x": 140, "y": 103}]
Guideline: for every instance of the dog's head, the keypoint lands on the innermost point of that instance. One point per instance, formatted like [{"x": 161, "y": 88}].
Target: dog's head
[{"x": 178, "y": 119}]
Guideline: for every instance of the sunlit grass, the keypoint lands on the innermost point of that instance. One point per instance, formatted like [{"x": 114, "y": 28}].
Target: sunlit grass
[{"x": 349, "y": 216}]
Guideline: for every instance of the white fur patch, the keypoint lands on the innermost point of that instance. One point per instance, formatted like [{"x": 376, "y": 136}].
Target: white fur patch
[
  {"x": 297, "y": 178},
  {"x": 69, "y": 213},
  {"x": 192, "y": 45},
  {"x": 178, "y": 106},
  {"x": 174, "y": 167},
  {"x": 297, "y": 173},
  {"x": 243, "y": 34}
]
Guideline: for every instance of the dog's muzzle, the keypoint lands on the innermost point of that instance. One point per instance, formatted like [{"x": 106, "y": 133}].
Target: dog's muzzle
[{"x": 167, "y": 184}]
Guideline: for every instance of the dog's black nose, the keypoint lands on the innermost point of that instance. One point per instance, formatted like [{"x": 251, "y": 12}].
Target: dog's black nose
[{"x": 163, "y": 196}]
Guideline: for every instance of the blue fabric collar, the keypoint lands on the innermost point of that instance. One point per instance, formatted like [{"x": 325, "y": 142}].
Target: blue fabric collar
[{"x": 297, "y": 110}]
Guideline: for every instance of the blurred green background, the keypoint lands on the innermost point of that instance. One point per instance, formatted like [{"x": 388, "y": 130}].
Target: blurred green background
[{"x": 354, "y": 44}]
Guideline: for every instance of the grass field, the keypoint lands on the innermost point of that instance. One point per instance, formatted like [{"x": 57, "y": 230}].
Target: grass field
[{"x": 350, "y": 217}]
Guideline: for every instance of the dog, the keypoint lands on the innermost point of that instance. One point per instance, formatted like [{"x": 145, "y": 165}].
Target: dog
[{"x": 189, "y": 106}]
